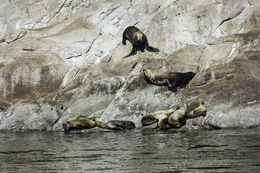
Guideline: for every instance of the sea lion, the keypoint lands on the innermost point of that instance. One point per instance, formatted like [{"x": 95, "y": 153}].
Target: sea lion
[
  {"x": 177, "y": 119},
  {"x": 163, "y": 122},
  {"x": 170, "y": 79},
  {"x": 81, "y": 122},
  {"x": 156, "y": 116},
  {"x": 195, "y": 108},
  {"x": 148, "y": 120},
  {"x": 138, "y": 40},
  {"x": 116, "y": 125}
]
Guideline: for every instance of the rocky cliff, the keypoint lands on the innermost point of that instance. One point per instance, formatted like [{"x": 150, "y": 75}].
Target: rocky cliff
[{"x": 63, "y": 58}]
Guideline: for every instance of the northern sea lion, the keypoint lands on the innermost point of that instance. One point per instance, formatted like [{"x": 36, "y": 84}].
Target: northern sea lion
[
  {"x": 170, "y": 79},
  {"x": 116, "y": 125},
  {"x": 163, "y": 122},
  {"x": 195, "y": 109},
  {"x": 177, "y": 119},
  {"x": 148, "y": 120},
  {"x": 80, "y": 123},
  {"x": 138, "y": 40},
  {"x": 156, "y": 116}
]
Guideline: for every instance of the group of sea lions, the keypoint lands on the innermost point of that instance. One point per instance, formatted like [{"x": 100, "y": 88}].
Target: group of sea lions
[
  {"x": 174, "y": 117},
  {"x": 85, "y": 122},
  {"x": 170, "y": 79}
]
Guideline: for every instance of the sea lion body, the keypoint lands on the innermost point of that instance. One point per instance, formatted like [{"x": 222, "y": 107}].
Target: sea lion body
[
  {"x": 170, "y": 79},
  {"x": 195, "y": 109},
  {"x": 177, "y": 119},
  {"x": 138, "y": 40},
  {"x": 163, "y": 123},
  {"x": 116, "y": 125},
  {"x": 81, "y": 122}
]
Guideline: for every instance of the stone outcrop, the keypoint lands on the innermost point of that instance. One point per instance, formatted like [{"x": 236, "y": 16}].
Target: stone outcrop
[{"x": 61, "y": 59}]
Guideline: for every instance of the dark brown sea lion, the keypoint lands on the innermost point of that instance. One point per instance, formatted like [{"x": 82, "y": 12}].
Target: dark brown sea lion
[
  {"x": 138, "y": 40},
  {"x": 116, "y": 125},
  {"x": 148, "y": 120},
  {"x": 195, "y": 108},
  {"x": 81, "y": 122},
  {"x": 170, "y": 79}
]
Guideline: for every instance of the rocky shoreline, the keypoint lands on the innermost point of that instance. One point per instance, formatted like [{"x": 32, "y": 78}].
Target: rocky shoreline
[{"x": 62, "y": 59}]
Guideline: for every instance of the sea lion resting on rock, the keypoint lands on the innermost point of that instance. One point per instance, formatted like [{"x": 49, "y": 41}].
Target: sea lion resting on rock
[
  {"x": 116, "y": 125},
  {"x": 195, "y": 108},
  {"x": 163, "y": 122},
  {"x": 80, "y": 123},
  {"x": 84, "y": 122},
  {"x": 170, "y": 79},
  {"x": 177, "y": 119},
  {"x": 138, "y": 40},
  {"x": 176, "y": 116}
]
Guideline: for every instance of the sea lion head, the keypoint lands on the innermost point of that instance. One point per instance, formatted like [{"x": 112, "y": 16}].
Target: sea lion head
[
  {"x": 69, "y": 127},
  {"x": 139, "y": 36},
  {"x": 139, "y": 39},
  {"x": 149, "y": 74},
  {"x": 129, "y": 125}
]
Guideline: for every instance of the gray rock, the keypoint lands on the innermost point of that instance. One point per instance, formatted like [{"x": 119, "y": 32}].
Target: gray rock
[{"x": 61, "y": 59}]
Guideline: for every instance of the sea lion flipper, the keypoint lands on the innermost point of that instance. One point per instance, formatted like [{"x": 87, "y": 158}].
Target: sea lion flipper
[
  {"x": 174, "y": 89},
  {"x": 171, "y": 84},
  {"x": 133, "y": 52},
  {"x": 150, "y": 48}
]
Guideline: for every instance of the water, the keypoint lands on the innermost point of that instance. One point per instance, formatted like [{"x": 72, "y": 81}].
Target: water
[{"x": 131, "y": 151}]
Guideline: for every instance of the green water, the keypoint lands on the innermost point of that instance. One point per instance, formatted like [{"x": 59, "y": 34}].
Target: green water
[{"x": 131, "y": 151}]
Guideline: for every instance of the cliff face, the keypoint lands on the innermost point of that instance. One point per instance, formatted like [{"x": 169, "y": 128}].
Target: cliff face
[{"x": 61, "y": 59}]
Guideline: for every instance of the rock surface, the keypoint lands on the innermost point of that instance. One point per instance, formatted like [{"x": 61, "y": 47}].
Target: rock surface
[{"x": 61, "y": 59}]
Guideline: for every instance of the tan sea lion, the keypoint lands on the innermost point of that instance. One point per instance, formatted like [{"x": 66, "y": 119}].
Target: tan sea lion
[
  {"x": 138, "y": 40},
  {"x": 156, "y": 116},
  {"x": 163, "y": 122},
  {"x": 116, "y": 125},
  {"x": 195, "y": 109},
  {"x": 170, "y": 79},
  {"x": 177, "y": 119},
  {"x": 81, "y": 122}
]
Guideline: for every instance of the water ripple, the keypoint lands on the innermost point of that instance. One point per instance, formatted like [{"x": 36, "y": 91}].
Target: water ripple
[{"x": 132, "y": 151}]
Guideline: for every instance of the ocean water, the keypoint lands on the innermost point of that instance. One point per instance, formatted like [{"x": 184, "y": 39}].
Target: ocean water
[{"x": 147, "y": 150}]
